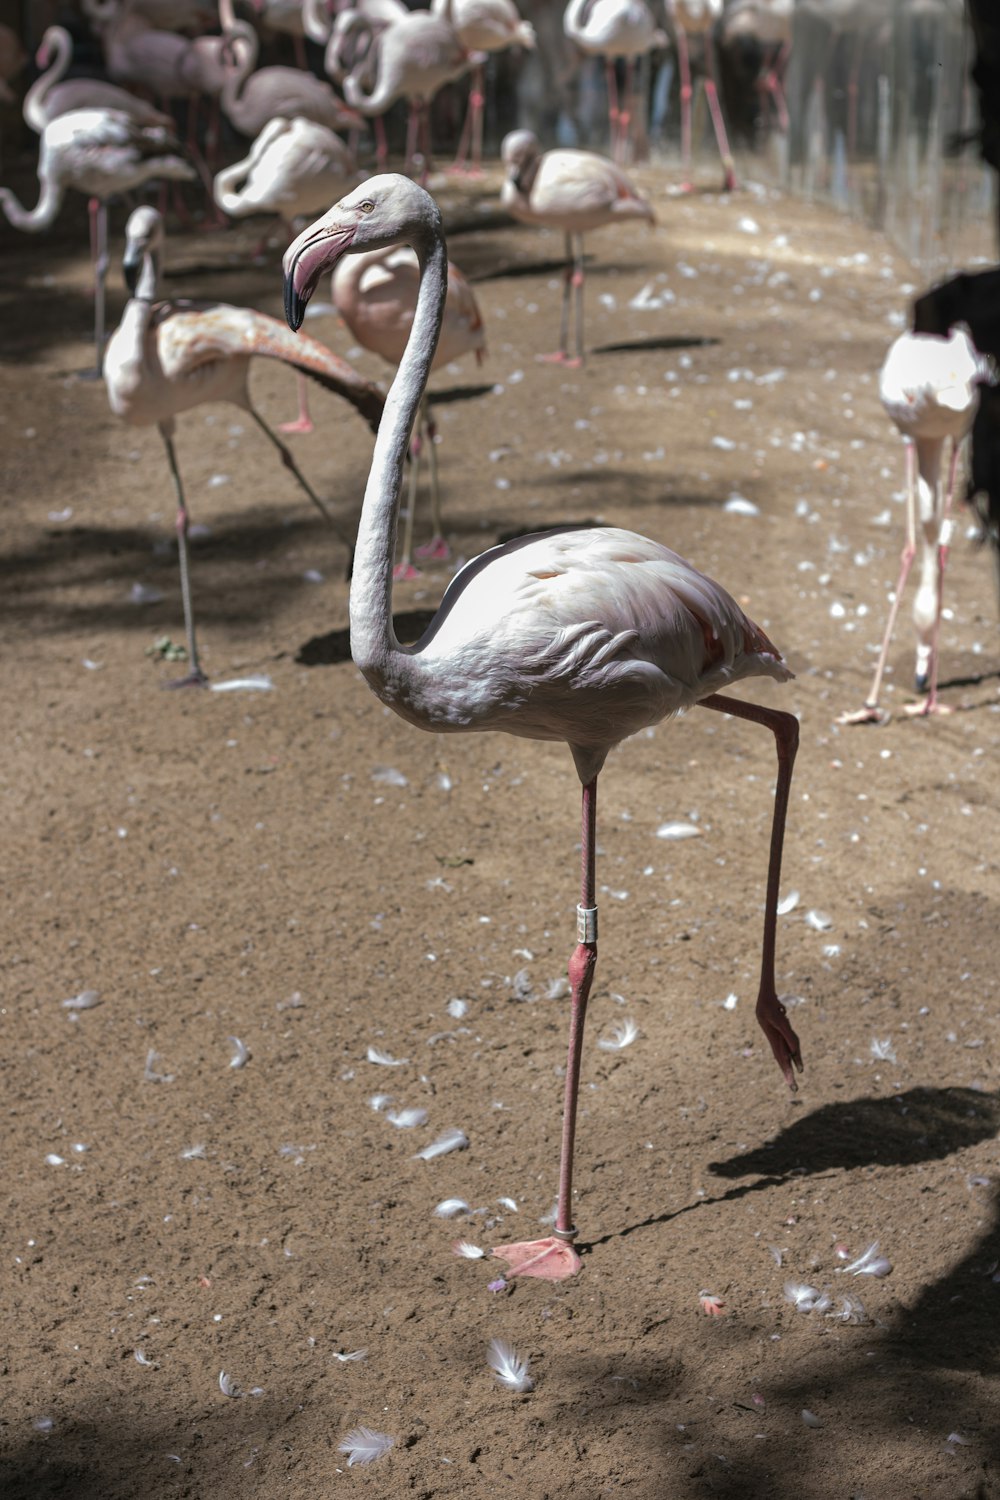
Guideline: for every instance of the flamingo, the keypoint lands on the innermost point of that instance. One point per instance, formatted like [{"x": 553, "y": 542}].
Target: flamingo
[
  {"x": 99, "y": 152},
  {"x": 699, "y": 18},
  {"x": 483, "y": 26},
  {"x": 768, "y": 25},
  {"x": 53, "y": 94},
  {"x": 346, "y": 38},
  {"x": 929, "y": 387},
  {"x": 613, "y": 29},
  {"x": 573, "y": 191},
  {"x": 169, "y": 357},
  {"x": 376, "y": 295},
  {"x": 292, "y": 168},
  {"x": 250, "y": 99},
  {"x": 583, "y": 636},
  {"x": 410, "y": 59}
]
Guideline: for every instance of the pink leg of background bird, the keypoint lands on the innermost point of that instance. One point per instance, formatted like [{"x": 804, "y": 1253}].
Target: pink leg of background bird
[
  {"x": 931, "y": 704},
  {"x": 437, "y": 549},
  {"x": 572, "y": 290},
  {"x": 553, "y": 1258},
  {"x": 712, "y": 95},
  {"x": 471, "y": 140}
]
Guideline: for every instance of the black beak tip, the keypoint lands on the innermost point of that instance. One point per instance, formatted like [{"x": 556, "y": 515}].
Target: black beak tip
[
  {"x": 130, "y": 270},
  {"x": 295, "y": 306}
]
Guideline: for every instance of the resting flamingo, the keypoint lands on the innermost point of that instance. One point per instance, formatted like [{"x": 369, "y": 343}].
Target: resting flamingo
[
  {"x": 52, "y": 93},
  {"x": 699, "y": 18},
  {"x": 615, "y": 29},
  {"x": 579, "y": 635},
  {"x": 929, "y": 387},
  {"x": 483, "y": 26},
  {"x": 250, "y": 99},
  {"x": 169, "y": 357},
  {"x": 100, "y": 152},
  {"x": 292, "y": 168},
  {"x": 574, "y": 191}
]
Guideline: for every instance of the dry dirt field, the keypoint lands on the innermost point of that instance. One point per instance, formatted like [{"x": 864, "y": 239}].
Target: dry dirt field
[{"x": 298, "y": 869}]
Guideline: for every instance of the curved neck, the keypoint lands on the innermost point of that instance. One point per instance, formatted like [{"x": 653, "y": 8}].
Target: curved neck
[
  {"x": 575, "y": 19},
  {"x": 316, "y": 21},
  {"x": 373, "y": 641},
  {"x": 33, "y": 108},
  {"x": 243, "y": 50},
  {"x": 44, "y": 212},
  {"x": 227, "y": 15},
  {"x": 148, "y": 286}
]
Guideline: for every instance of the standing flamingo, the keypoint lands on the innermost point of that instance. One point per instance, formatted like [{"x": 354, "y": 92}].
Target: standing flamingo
[
  {"x": 292, "y": 168},
  {"x": 929, "y": 387},
  {"x": 169, "y": 357},
  {"x": 768, "y": 25},
  {"x": 583, "y": 636},
  {"x": 699, "y": 18},
  {"x": 52, "y": 93},
  {"x": 347, "y": 38},
  {"x": 376, "y": 295},
  {"x": 483, "y": 26},
  {"x": 574, "y": 191},
  {"x": 99, "y": 152},
  {"x": 615, "y": 29},
  {"x": 250, "y": 99}
]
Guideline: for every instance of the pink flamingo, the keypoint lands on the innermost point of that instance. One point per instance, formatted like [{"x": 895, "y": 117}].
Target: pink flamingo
[
  {"x": 483, "y": 26},
  {"x": 53, "y": 94},
  {"x": 376, "y": 295},
  {"x": 583, "y": 636},
  {"x": 699, "y": 18},
  {"x": 346, "y": 33},
  {"x": 613, "y": 29},
  {"x": 100, "y": 152},
  {"x": 768, "y": 23},
  {"x": 929, "y": 387},
  {"x": 574, "y": 191},
  {"x": 292, "y": 168},
  {"x": 250, "y": 99},
  {"x": 169, "y": 357}
]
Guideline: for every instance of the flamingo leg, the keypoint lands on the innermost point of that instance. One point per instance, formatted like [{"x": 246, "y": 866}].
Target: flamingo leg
[
  {"x": 684, "y": 65},
  {"x": 381, "y": 144},
  {"x": 625, "y": 115},
  {"x": 303, "y": 422},
  {"x": 405, "y": 568},
  {"x": 614, "y": 113},
  {"x": 577, "y": 280},
  {"x": 931, "y": 705},
  {"x": 437, "y": 548},
  {"x": 289, "y": 463},
  {"x": 771, "y": 1014},
  {"x": 100, "y": 233},
  {"x": 195, "y": 676},
  {"x": 870, "y": 713},
  {"x": 718, "y": 123},
  {"x": 561, "y": 356}
]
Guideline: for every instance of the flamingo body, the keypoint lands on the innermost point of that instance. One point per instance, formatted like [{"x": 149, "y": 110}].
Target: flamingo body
[
  {"x": 292, "y": 168},
  {"x": 251, "y": 99},
  {"x": 53, "y": 94},
  {"x": 612, "y": 28},
  {"x": 486, "y": 25}
]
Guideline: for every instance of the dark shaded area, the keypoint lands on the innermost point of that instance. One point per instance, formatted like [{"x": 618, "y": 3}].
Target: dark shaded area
[
  {"x": 334, "y": 648},
  {"x": 644, "y": 346},
  {"x": 456, "y": 393}
]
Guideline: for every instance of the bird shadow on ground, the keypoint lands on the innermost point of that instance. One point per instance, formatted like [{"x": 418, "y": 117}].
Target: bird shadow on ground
[
  {"x": 334, "y": 648},
  {"x": 634, "y": 489},
  {"x": 455, "y": 393},
  {"x": 653, "y": 345}
]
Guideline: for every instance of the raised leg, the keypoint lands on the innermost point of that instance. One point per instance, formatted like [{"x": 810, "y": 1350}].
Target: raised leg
[
  {"x": 290, "y": 464},
  {"x": 771, "y": 1014},
  {"x": 303, "y": 422},
  {"x": 195, "y": 676},
  {"x": 871, "y": 713}
]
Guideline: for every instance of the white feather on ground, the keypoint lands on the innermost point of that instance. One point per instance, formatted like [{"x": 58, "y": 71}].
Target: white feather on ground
[{"x": 508, "y": 1366}]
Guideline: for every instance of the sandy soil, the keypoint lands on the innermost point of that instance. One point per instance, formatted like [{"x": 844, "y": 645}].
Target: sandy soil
[{"x": 299, "y": 869}]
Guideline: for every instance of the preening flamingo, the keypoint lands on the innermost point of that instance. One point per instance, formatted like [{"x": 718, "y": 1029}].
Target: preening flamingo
[
  {"x": 483, "y": 26},
  {"x": 292, "y": 168},
  {"x": 583, "y": 636},
  {"x": 250, "y": 99},
  {"x": 929, "y": 387},
  {"x": 615, "y": 29},
  {"x": 574, "y": 191},
  {"x": 699, "y": 18},
  {"x": 169, "y": 357},
  {"x": 99, "y": 152},
  {"x": 376, "y": 295}
]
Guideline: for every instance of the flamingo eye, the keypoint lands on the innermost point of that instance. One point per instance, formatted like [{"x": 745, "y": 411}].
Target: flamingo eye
[{"x": 367, "y": 207}]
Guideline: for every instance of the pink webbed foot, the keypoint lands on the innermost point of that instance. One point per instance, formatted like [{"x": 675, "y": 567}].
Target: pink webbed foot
[
  {"x": 925, "y": 708},
  {"x": 550, "y": 1259},
  {"x": 301, "y": 424},
  {"x": 869, "y": 714},
  {"x": 405, "y": 571},
  {"x": 571, "y": 361},
  {"x": 436, "y": 550},
  {"x": 773, "y": 1020}
]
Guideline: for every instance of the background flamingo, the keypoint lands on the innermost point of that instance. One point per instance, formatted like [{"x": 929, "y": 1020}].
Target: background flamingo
[
  {"x": 99, "y": 152},
  {"x": 250, "y": 99},
  {"x": 615, "y": 29},
  {"x": 292, "y": 168},
  {"x": 929, "y": 387},
  {"x": 583, "y": 636},
  {"x": 698, "y": 18},
  {"x": 767, "y": 24},
  {"x": 167, "y": 357},
  {"x": 574, "y": 191},
  {"x": 483, "y": 27},
  {"x": 53, "y": 94}
]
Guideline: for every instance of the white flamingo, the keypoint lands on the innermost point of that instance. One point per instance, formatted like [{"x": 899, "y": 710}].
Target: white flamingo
[
  {"x": 168, "y": 357},
  {"x": 929, "y": 387},
  {"x": 251, "y": 98},
  {"x": 580, "y": 636},
  {"x": 292, "y": 168},
  {"x": 699, "y": 18},
  {"x": 574, "y": 191},
  {"x": 615, "y": 29},
  {"x": 99, "y": 152},
  {"x": 346, "y": 33},
  {"x": 483, "y": 27},
  {"x": 52, "y": 93}
]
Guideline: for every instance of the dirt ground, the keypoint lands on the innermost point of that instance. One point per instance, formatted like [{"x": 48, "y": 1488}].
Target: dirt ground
[{"x": 299, "y": 869}]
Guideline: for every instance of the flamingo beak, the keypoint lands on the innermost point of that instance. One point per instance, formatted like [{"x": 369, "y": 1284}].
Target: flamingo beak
[
  {"x": 131, "y": 266},
  {"x": 315, "y": 251}
]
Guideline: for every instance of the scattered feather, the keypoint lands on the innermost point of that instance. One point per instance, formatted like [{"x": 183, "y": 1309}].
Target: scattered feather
[
  {"x": 406, "y": 1119},
  {"x": 851, "y": 1311},
  {"x": 810, "y": 1418},
  {"x": 389, "y": 776},
  {"x": 457, "y": 1008},
  {"x": 790, "y": 902},
  {"x": 508, "y": 1203},
  {"x": 678, "y": 830},
  {"x": 194, "y": 1153},
  {"x": 777, "y": 1254},
  {"x": 53, "y": 1160},
  {"x": 258, "y": 683},
  {"x": 508, "y": 1366},
  {"x": 144, "y": 1360},
  {"x": 557, "y": 989},
  {"x": 731, "y": 1001},
  {"x": 804, "y": 1298},
  {"x": 228, "y": 1386},
  {"x": 467, "y": 1250},
  {"x": 449, "y": 1207},
  {"x": 449, "y": 1140},
  {"x": 869, "y": 1264},
  {"x": 85, "y": 1000},
  {"x": 882, "y": 1050},
  {"x": 363, "y": 1446},
  {"x": 500, "y": 1285},
  {"x": 956, "y": 1437},
  {"x": 240, "y": 1050},
  {"x": 819, "y": 921},
  {"x": 150, "y": 1073},
  {"x": 379, "y": 1102},
  {"x": 347, "y": 1359},
  {"x": 739, "y": 505},
  {"x": 141, "y": 593},
  {"x": 385, "y": 1059},
  {"x": 711, "y": 1305},
  {"x": 622, "y": 1034}
]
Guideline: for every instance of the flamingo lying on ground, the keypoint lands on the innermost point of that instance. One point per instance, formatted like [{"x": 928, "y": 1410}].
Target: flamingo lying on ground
[
  {"x": 615, "y": 29},
  {"x": 584, "y": 636},
  {"x": 99, "y": 152},
  {"x": 929, "y": 387},
  {"x": 168, "y": 357},
  {"x": 376, "y": 295},
  {"x": 699, "y": 18},
  {"x": 483, "y": 26},
  {"x": 574, "y": 191}
]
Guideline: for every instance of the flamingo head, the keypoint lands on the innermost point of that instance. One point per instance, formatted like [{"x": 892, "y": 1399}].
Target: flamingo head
[
  {"x": 385, "y": 210},
  {"x": 143, "y": 236},
  {"x": 519, "y": 152}
]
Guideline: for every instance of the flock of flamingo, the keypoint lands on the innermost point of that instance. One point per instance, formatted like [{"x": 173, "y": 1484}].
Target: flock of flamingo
[{"x": 583, "y": 636}]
